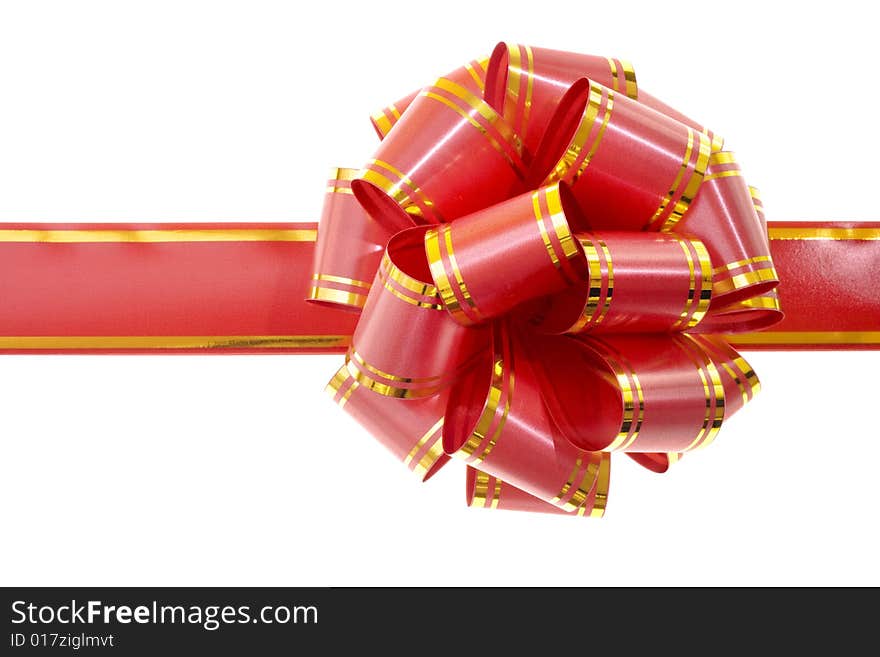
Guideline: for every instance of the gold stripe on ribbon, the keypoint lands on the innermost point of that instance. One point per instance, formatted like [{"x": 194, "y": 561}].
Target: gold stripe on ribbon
[
  {"x": 598, "y": 284},
  {"x": 435, "y": 248},
  {"x": 481, "y": 491},
  {"x": 602, "y": 485},
  {"x": 712, "y": 387},
  {"x": 579, "y": 142},
  {"x": 806, "y": 337},
  {"x": 341, "y": 381},
  {"x": 160, "y": 235},
  {"x": 435, "y": 451},
  {"x": 628, "y": 82},
  {"x": 478, "y": 77},
  {"x": 32, "y": 342},
  {"x": 730, "y": 266},
  {"x": 473, "y": 450},
  {"x": 569, "y": 501},
  {"x": 332, "y": 295},
  {"x": 341, "y": 279},
  {"x": 744, "y": 280},
  {"x": 631, "y": 393},
  {"x": 370, "y": 377},
  {"x": 697, "y": 305},
  {"x": 414, "y": 292},
  {"x": 723, "y": 174},
  {"x": 692, "y": 186},
  {"x": 415, "y": 203},
  {"x": 784, "y": 233},
  {"x": 382, "y": 123}
]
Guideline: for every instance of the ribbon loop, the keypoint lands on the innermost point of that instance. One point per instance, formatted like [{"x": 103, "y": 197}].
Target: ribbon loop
[
  {"x": 405, "y": 345},
  {"x": 449, "y": 155},
  {"x": 621, "y": 184},
  {"x": 638, "y": 282},
  {"x": 348, "y": 249},
  {"x": 487, "y": 263}
]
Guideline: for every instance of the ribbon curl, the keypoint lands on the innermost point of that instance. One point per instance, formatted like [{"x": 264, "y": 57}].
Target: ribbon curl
[{"x": 542, "y": 256}]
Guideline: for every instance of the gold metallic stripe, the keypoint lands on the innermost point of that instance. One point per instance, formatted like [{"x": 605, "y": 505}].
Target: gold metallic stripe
[
  {"x": 735, "y": 365},
  {"x": 161, "y": 235},
  {"x": 712, "y": 388},
  {"x": 338, "y": 190},
  {"x": 341, "y": 279},
  {"x": 717, "y": 141},
  {"x": 782, "y": 233},
  {"x": 614, "y": 76},
  {"x": 697, "y": 304},
  {"x": 394, "y": 188},
  {"x": 569, "y": 501},
  {"x": 723, "y": 174},
  {"x": 489, "y": 115},
  {"x": 561, "y": 228},
  {"x": 482, "y": 108},
  {"x": 382, "y": 123},
  {"x": 594, "y": 292},
  {"x": 397, "y": 275},
  {"x": 631, "y": 392},
  {"x": 602, "y": 485},
  {"x": 806, "y": 337},
  {"x": 685, "y": 161},
  {"x": 751, "y": 376},
  {"x": 560, "y": 224},
  {"x": 333, "y": 295},
  {"x": 341, "y": 379},
  {"x": 414, "y": 292},
  {"x": 597, "y": 285},
  {"x": 579, "y": 142},
  {"x": 456, "y": 272},
  {"x": 738, "y": 380},
  {"x": 764, "y": 302},
  {"x": 722, "y": 157},
  {"x": 27, "y": 342},
  {"x": 673, "y": 458},
  {"x": 755, "y": 193},
  {"x": 502, "y": 385},
  {"x": 515, "y": 73},
  {"x": 388, "y": 390},
  {"x": 530, "y": 83},
  {"x": 361, "y": 363},
  {"x": 434, "y": 251},
  {"x": 478, "y": 77},
  {"x": 410, "y": 300},
  {"x": 344, "y": 174},
  {"x": 394, "y": 111},
  {"x": 481, "y": 491},
  {"x": 542, "y": 228},
  {"x": 744, "y": 280},
  {"x": 434, "y": 452},
  {"x": 606, "y": 117},
  {"x": 730, "y": 266},
  {"x": 695, "y": 179},
  {"x": 628, "y": 82}
]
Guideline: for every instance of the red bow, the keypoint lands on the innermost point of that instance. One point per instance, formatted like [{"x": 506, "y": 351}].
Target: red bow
[{"x": 540, "y": 253}]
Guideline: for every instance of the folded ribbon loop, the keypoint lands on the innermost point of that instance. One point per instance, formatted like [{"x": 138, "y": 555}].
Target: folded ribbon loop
[{"x": 560, "y": 249}]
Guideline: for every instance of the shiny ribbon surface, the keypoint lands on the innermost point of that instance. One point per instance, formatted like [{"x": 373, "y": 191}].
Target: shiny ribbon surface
[{"x": 544, "y": 259}]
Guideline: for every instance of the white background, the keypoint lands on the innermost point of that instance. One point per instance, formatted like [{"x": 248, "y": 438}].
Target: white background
[{"x": 193, "y": 470}]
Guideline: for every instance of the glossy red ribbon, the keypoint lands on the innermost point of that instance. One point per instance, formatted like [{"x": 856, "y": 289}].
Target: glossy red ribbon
[{"x": 543, "y": 258}]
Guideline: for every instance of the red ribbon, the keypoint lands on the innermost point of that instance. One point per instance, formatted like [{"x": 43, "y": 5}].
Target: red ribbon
[{"x": 543, "y": 256}]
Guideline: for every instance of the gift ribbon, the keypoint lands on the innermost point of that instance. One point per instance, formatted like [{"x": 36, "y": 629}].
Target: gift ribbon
[{"x": 561, "y": 253}]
